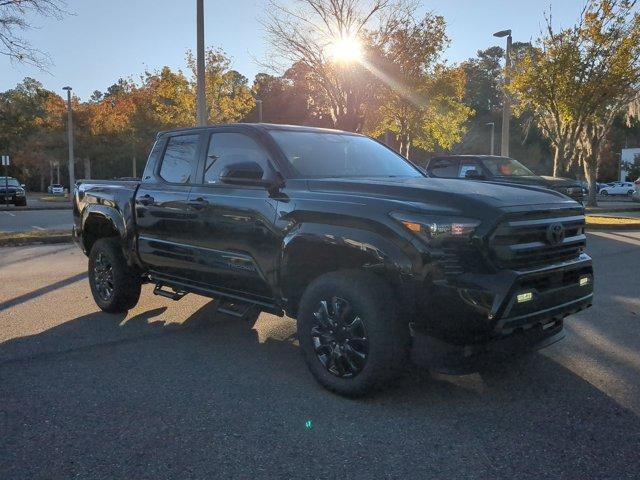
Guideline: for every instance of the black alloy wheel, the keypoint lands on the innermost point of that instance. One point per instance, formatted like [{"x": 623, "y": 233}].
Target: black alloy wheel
[
  {"x": 103, "y": 277},
  {"x": 339, "y": 338},
  {"x": 114, "y": 284}
]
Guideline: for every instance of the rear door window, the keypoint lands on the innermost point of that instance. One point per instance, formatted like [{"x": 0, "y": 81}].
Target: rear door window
[{"x": 180, "y": 159}]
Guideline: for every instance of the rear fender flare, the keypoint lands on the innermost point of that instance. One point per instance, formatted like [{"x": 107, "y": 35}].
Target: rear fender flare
[{"x": 105, "y": 213}]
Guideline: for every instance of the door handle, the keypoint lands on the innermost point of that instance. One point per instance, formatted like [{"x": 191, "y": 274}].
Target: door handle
[
  {"x": 198, "y": 204},
  {"x": 145, "y": 200}
]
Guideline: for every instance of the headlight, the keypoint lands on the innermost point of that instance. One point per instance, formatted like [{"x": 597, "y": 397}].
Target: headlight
[
  {"x": 437, "y": 229},
  {"x": 19, "y": 193}
]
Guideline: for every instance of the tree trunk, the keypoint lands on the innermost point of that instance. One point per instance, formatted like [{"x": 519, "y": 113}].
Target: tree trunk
[
  {"x": 404, "y": 144},
  {"x": 591, "y": 172},
  {"x": 87, "y": 168},
  {"x": 558, "y": 160},
  {"x": 408, "y": 147}
]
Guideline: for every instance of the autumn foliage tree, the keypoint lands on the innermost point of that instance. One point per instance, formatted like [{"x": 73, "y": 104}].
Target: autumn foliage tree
[
  {"x": 304, "y": 33},
  {"x": 579, "y": 80},
  {"x": 419, "y": 98}
]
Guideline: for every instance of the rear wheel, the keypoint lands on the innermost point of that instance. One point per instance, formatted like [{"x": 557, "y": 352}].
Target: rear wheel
[
  {"x": 350, "y": 333},
  {"x": 604, "y": 192},
  {"x": 630, "y": 192},
  {"x": 115, "y": 287}
]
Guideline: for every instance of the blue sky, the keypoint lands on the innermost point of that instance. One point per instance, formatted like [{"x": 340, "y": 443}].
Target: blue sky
[{"x": 106, "y": 40}]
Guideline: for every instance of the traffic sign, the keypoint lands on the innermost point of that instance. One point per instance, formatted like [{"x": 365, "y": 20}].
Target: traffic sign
[{"x": 5, "y": 160}]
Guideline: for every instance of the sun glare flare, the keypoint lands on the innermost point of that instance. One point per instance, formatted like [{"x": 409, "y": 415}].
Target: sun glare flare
[{"x": 345, "y": 49}]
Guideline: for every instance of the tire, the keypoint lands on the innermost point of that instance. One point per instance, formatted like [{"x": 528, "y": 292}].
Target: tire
[
  {"x": 604, "y": 192},
  {"x": 630, "y": 192},
  {"x": 361, "y": 307},
  {"x": 23, "y": 203},
  {"x": 115, "y": 287}
]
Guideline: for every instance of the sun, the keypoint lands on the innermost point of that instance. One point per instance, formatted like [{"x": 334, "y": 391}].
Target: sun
[{"x": 345, "y": 49}]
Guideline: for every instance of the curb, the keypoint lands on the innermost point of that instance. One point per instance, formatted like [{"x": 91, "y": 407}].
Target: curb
[
  {"x": 35, "y": 239},
  {"x": 626, "y": 227},
  {"x": 27, "y": 208},
  {"x": 633, "y": 207}
]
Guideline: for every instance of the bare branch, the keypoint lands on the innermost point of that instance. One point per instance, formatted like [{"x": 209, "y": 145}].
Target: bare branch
[{"x": 13, "y": 15}]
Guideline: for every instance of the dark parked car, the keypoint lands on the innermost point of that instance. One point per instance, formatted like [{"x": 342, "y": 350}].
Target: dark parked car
[
  {"x": 12, "y": 191},
  {"x": 500, "y": 169},
  {"x": 372, "y": 258}
]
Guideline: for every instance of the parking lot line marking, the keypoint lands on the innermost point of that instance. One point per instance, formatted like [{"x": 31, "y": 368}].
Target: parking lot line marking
[
  {"x": 9, "y": 213},
  {"x": 620, "y": 238},
  {"x": 37, "y": 227}
]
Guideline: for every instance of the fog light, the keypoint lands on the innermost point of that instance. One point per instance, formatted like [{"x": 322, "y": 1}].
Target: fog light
[
  {"x": 584, "y": 281},
  {"x": 525, "y": 297}
]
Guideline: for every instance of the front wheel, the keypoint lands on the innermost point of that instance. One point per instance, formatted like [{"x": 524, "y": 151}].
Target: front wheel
[
  {"x": 350, "y": 333},
  {"x": 604, "y": 192},
  {"x": 115, "y": 287},
  {"x": 630, "y": 192}
]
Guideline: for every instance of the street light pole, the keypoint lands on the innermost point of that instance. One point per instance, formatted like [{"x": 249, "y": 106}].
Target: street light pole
[
  {"x": 201, "y": 100},
  {"x": 493, "y": 135},
  {"x": 506, "y": 102},
  {"x": 72, "y": 179}
]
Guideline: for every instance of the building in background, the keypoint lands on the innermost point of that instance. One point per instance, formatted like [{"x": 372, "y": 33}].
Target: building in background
[{"x": 628, "y": 155}]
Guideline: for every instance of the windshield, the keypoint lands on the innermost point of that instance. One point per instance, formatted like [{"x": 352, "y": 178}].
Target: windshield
[
  {"x": 506, "y": 167},
  {"x": 12, "y": 182},
  {"x": 319, "y": 154}
]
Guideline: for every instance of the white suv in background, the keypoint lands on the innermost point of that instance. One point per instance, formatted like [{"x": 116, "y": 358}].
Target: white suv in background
[
  {"x": 55, "y": 188},
  {"x": 618, "y": 188}
]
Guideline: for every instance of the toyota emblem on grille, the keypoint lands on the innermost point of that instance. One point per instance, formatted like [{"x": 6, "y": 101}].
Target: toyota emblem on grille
[{"x": 555, "y": 234}]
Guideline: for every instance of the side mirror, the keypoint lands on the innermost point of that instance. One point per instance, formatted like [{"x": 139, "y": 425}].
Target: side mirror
[
  {"x": 245, "y": 173},
  {"x": 473, "y": 175},
  {"x": 23, "y": 185}
]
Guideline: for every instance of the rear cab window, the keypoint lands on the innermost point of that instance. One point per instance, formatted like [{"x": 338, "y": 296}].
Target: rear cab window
[
  {"x": 180, "y": 159},
  {"x": 468, "y": 165},
  {"x": 443, "y": 167}
]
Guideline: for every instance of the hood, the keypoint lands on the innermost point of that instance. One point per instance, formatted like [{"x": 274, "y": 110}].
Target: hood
[
  {"x": 11, "y": 189},
  {"x": 540, "y": 181},
  {"x": 561, "y": 182},
  {"x": 440, "y": 195}
]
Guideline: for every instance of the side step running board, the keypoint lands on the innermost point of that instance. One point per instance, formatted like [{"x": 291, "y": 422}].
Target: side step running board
[
  {"x": 238, "y": 310},
  {"x": 173, "y": 295}
]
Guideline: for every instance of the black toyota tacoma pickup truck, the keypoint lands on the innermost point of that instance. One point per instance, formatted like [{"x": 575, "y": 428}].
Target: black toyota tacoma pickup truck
[{"x": 373, "y": 259}]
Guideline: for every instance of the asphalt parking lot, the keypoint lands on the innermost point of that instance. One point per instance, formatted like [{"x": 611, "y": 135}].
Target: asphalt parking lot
[
  {"x": 174, "y": 391},
  {"x": 21, "y": 221}
]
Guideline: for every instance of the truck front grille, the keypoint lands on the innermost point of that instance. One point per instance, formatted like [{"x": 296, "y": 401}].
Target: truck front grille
[{"x": 529, "y": 240}]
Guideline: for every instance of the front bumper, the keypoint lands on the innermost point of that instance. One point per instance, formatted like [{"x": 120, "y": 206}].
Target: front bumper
[
  {"x": 474, "y": 314},
  {"x": 438, "y": 355}
]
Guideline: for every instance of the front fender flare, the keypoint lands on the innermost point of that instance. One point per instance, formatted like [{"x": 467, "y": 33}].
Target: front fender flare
[{"x": 312, "y": 249}]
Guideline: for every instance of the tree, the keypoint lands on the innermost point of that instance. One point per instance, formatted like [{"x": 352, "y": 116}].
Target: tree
[
  {"x": 14, "y": 15},
  {"x": 229, "y": 98},
  {"x": 483, "y": 91},
  {"x": 285, "y": 99},
  {"x": 579, "y": 80},
  {"x": 420, "y": 99},
  {"x": 306, "y": 33},
  {"x": 31, "y": 129}
]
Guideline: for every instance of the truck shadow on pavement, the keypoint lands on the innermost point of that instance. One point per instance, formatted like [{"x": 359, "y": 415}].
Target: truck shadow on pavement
[{"x": 240, "y": 398}]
